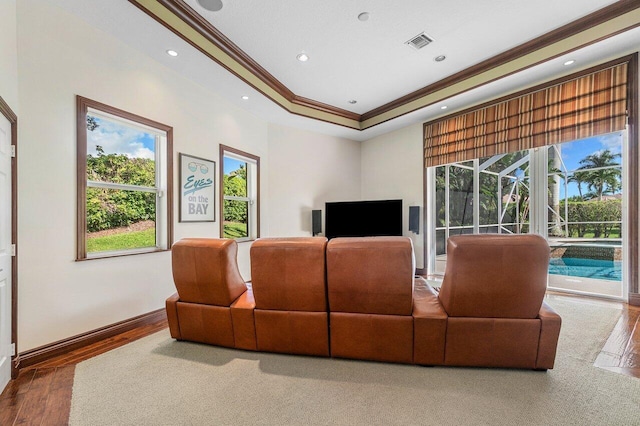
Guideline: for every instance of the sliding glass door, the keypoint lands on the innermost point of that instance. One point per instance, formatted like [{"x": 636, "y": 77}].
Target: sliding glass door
[
  {"x": 586, "y": 200},
  {"x": 570, "y": 193}
]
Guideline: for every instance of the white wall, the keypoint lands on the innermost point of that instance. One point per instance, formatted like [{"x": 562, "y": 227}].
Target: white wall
[
  {"x": 59, "y": 57},
  {"x": 8, "y": 54},
  {"x": 392, "y": 169},
  {"x": 306, "y": 170}
]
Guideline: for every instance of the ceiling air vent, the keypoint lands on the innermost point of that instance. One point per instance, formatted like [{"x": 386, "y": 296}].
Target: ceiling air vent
[{"x": 419, "y": 41}]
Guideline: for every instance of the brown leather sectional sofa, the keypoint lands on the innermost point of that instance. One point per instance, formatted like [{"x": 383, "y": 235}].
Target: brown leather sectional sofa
[{"x": 358, "y": 298}]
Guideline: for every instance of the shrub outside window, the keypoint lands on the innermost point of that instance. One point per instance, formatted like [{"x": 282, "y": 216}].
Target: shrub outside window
[
  {"x": 239, "y": 177},
  {"x": 124, "y": 166}
]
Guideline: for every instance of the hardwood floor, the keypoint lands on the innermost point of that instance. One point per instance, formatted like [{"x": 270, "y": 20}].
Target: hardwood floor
[
  {"x": 621, "y": 353},
  {"x": 41, "y": 395}
]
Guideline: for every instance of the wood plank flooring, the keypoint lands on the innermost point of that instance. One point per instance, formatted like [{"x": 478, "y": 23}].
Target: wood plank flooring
[
  {"x": 41, "y": 395},
  {"x": 621, "y": 353}
]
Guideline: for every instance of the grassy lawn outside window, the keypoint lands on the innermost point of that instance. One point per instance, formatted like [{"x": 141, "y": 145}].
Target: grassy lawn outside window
[{"x": 123, "y": 174}]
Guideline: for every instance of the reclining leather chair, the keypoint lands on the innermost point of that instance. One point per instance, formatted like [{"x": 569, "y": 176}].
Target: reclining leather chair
[
  {"x": 212, "y": 304},
  {"x": 370, "y": 286},
  {"x": 492, "y": 292},
  {"x": 288, "y": 277}
]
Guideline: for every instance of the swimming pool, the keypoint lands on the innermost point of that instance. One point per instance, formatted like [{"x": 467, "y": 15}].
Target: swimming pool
[{"x": 588, "y": 268}]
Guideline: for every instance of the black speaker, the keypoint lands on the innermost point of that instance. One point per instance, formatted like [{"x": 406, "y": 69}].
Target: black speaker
[
  {"x": 316, "y": 222},
  {"x": 414, "y": 219}
]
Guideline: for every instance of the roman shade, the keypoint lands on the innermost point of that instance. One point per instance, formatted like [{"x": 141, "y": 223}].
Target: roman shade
[{"x": 587, "y": 105}]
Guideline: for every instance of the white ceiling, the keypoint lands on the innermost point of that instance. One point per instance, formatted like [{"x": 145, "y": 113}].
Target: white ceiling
[
  {"x": 369, "y": 61},
  {"x": 349, "y": 59}
]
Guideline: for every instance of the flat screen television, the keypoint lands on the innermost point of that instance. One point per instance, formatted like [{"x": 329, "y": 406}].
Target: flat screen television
[{"x": 363, "y": 218}]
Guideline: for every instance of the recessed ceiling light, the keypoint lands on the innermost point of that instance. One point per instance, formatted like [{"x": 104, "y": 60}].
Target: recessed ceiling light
[
  {"x": 353, "y": 101},
  {"x": 363, "y": 16},
  {"x": 245, "y": 97},
  {"x": 443, "y": 107},
  {"x": 211, "y": 5},
  {"x": 302, "y": 57},
  {"x": 570, "y": 62},
  {"x": 440, "y": 58},
  {"x": 172, "y": 53}
]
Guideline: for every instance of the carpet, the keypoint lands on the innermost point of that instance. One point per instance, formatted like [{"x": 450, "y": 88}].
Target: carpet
[{"x": 158, "y": 381}]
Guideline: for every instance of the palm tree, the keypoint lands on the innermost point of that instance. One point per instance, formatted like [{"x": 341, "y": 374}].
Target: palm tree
[
  {"x": 579, "y": 178},
  {"x": 606, "y": 178}
]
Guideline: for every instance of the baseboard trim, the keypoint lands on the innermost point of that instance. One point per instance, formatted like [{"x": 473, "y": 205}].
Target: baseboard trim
[
  {"x": 47, "y": 352},
  {"x": 15, "y": 367},
  {"x": 634, "y": 299}
]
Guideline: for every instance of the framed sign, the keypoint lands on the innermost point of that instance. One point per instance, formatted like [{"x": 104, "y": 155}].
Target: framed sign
[{"x": 197, "y": 189}]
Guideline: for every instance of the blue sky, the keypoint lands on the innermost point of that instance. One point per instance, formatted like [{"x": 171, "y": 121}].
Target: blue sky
[
  {"x": 573, "y": 152},
  {"x": 116, "y": 138},
  {"x": 231, "y": 164}
]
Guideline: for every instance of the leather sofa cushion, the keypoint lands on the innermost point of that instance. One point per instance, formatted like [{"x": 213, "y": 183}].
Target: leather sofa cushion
[
  {"x": 372, "y": 275},
  {"x": 495, "y": 276},
  {"x": 492, "y": 342},
  {"x": 288, "y": 274},
  {"x": 206, "y": 324},
  {"x": 292, "y": 332},
  {"x": 205, "y": 271},
  {"x": 386, "y": 338}
]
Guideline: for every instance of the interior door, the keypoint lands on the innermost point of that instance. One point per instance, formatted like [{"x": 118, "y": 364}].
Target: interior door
[{"x": 5, "y": 251}]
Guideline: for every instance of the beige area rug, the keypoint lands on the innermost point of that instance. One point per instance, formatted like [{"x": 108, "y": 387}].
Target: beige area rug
[{"x": 158, "y": 381}]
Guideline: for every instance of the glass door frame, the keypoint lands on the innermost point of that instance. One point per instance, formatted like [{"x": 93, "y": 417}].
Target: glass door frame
[{"x": 538, "y": 165}]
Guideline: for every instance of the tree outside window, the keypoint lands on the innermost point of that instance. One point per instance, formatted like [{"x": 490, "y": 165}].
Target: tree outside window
[
  {"x": 123, "y": 191},
  {"x": 240, "y": 201}
]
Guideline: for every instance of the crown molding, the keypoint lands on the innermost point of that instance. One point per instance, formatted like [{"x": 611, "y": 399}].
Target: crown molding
[{"x": 185, "y": 22}]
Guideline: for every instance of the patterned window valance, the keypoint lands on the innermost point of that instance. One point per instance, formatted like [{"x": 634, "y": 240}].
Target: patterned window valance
[{"x": 586, "y": 106}]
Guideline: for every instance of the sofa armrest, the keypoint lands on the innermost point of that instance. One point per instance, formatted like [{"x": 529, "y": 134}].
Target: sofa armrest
[
  {"x": 550, "y": 323},
  {"x": 172, "y": 315},
  {"x": 426, "y": 303},
  {"x": 429, "y": 325},
  {"x": 243, "y": 318}
]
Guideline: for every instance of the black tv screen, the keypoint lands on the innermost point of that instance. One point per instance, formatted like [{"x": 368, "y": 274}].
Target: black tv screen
[{"x": 363, "y": 218}]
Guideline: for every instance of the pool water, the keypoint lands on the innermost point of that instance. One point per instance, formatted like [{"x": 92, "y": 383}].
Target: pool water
[{"x": 587, "y": 268}]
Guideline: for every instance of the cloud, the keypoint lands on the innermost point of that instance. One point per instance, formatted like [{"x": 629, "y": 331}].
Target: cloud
[
  {"x": 612, "y": 142},
  {"x": 144, "y": 153},
  {"x": 120, "y": 139}
]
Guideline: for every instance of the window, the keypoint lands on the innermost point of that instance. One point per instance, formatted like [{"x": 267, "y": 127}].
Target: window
[
  {"x": 240, "y": 180},
  {"x": 124, "y": 170},
  {"x": 586, "y": 199}
]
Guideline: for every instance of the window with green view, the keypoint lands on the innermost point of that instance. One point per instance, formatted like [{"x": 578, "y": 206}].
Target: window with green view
[
  {"x": 240, "y": 172},
  {"x": 123, "y": 190}
]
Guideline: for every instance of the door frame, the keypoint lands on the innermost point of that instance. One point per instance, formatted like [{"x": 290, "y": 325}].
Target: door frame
[{"x": 13, "y": 119}]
